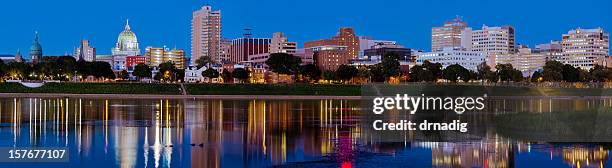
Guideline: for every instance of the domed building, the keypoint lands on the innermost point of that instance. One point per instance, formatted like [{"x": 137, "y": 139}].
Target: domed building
[
  {"x": 36, "y": 52},
  {"x": 127, "y": 43}
]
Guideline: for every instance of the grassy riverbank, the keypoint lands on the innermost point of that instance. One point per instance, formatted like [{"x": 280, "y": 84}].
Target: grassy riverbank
[{"x": 298, "y": 89}]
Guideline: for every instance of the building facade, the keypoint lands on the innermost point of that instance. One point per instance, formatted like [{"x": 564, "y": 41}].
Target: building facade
[
  {"x": 346, "y": 37},
  {"x": 449, "y": 56},
  {"x": 583, "y": 47},
  {"x": 281, "y": 44},
  {"x": 85, "y": 52},
  {"x": 242, "y": 48},
  {"x": 367, "y": 42},
  {"x": 329, "y": 57},
  {"x": 552, "y": 50},
  {"x": 493, "y": 41},
  {"x": 206, "y": 34},
  {"x": 132, "y": 61},
  {"x": 448, "y": 35},
  {"x": 127, "y": 43},
  {"x": 155, "y": 56},
  {"x": 525, "y": 60}
]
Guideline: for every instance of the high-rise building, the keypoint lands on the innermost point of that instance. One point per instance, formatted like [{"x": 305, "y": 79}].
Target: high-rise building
[
  {"x": 583, "y": 47},
  {"x": 206, "y": 34},
  {"x": 156, "y": 56},
  {"x": 127, "y": 43},
  {"x": 448, "y": 35},
  {"x": 242, "y": 48},
  {"x": 226, "y": 45},
  {"x": 36, "y": 52},
  {"x": 85, "y": 52},
  {"x": 449, "y": 56},
  {"x": 281, "y": 44},
  {"x": 329, "y": 54},
  {"x": 551, "y": 51},
  {"x": 346, "y": 37},
  {"x": 493, "y": 41}
]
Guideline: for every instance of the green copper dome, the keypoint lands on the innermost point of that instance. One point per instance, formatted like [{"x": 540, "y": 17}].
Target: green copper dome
[
  {"x": 36, "y": 48},
  {"x": 127, "y": 37}
]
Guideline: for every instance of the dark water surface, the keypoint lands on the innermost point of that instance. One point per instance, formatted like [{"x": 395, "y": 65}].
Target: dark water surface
[{"x": 285, "y": 133}]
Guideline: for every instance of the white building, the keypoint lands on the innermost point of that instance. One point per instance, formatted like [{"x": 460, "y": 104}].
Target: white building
[
  {"x": 194, "y": 75},
  {"x": 449, "y": 56},
  {"x": 127, "y": 43},
  {"x": 281, "y": 44},
  {"x": 524, "y": 60},
  {"x": 492, "y": 41},
  {"x": 85, "y": 52},
  {"x": 583, "y": 47},
  {"x": 552, "y": 50}
]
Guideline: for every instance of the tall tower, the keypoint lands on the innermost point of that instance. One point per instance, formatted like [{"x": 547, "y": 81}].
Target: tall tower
[
  {"x": 448, "y": 35},
  {"x": 36, "y": 52},
  {"x": 18, "y": 57},
  {"x": 206, "y": 34}
]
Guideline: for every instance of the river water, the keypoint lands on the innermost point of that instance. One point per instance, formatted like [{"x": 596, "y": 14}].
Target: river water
[{"x": 286, "y": 133}]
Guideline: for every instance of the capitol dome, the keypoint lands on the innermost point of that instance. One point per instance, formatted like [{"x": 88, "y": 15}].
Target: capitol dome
[
  {"x": 36, "y": 51},
  {"x": 127, "y": 42}
]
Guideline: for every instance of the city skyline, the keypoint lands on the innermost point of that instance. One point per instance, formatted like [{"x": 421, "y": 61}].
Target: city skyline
[{"x": 410, "y": 30}]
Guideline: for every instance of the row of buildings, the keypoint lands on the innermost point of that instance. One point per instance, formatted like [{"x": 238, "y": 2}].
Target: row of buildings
[
  {"x": 452, "y": 43},
  {"x": 456, "y": 43}
]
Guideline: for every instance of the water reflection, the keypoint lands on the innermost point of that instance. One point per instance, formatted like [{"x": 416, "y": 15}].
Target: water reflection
[{"x": 261, "y": 133}]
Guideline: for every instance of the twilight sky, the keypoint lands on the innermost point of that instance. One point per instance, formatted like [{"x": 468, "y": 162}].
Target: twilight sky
[{"x": 62, "y": 23}]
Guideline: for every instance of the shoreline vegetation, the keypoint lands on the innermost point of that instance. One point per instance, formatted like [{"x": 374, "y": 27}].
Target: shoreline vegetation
[{"x": 295, "y": 89}]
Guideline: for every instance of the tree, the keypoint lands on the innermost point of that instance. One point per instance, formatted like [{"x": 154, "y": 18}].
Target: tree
[
  {"x": 203, "y": 61},
  {"x": 167, "y": 71},
  {"x": 505, "y": 72},
  {"x": 536, "y": 76},
  {"x": 584, "y": 75},
  {"x": 241, "y": 74},
  {"x": 553, "y": 71},
  {"x": 376, "y": 73},
  {"x": 311, "y": 72},
  {"x": 103, "y": 69},
  {"x": 210, "y": 73},
  {"x": 600, "y": 73},
  {"x": 18, "y": 70},
  {"x": 570, "y": 73},
  {"x": 142, "y": 71},
  {"x": 390, "y": 65},
  {"x": 346, "y": 72},
  {"x": 226, "y": 75},
  {"x": 2, "y": 69},
  {"x": 485, "y": 73},
  {"x": 429, "y": 72},
  {"x": 455, "y": 72},
  {"x": 329, "y": 75},
  {"x": 284, "y": 63},
  {"x": 124, "y": 75}
]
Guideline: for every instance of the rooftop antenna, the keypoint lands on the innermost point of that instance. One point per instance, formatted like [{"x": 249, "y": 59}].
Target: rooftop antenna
[{"x": 247, "y": 32}]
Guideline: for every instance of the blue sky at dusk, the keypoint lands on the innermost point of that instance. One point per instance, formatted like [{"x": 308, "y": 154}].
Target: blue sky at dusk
[{"x": 62, "y": 23}]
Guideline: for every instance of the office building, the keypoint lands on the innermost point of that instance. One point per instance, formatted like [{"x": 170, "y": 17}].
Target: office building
[
  {"x": 583, "y": 47},
  {"x": 155, "y": 56},
  {"x": 206, "y": 34},
  {"x": 281, "y": 44},
  {"x": 242, "y": 48},
  {"x": 448, "y": 35},
  {"x": 85, "y": 52},
  {"x": 493, "y": 41},
  {"x": 449, "y": 56}
]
